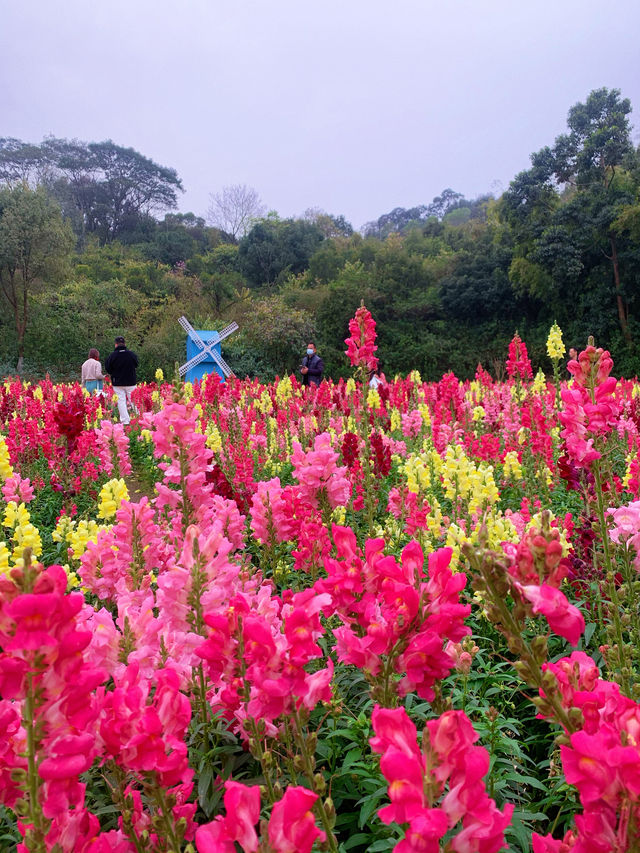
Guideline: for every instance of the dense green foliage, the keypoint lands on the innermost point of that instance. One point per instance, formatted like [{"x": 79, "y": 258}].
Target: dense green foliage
[{"x": 448, "y": 282}]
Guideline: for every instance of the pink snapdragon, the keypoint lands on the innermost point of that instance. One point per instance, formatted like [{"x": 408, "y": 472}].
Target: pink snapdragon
[
  {"x": 389, "y": 609},
  {"x": 537, "y": 569},
  {"x": 626, "y": 528},
  {"x": 17, "y": 489},
  {"x": 317, "y": 471},
  {"x": 601, "y": 759},
  {"x": 435, "y": 789},
  {"x": 361, "y": 343},
  {"x": 277, "y": 642},
  {"x": 291, "y": 828},
  {"x": 518, "y": 363},
  {"x": 589, "y": 408},
  {"x": 113, "y": 448}
]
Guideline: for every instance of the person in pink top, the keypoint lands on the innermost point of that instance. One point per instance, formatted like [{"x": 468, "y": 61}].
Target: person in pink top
[{"x": 92, "y": 373}]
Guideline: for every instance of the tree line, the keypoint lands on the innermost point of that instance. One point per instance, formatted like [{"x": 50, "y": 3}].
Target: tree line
[{"x": 90, "y": 246}]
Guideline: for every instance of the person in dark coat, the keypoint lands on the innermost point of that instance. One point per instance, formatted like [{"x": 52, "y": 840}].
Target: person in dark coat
[
  {"x": 312, "y": 366},
  {"x": 121, "y": 366}
]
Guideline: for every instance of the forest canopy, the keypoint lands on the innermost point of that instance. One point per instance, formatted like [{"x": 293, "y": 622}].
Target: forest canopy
[{"x": 91, "y": 246}]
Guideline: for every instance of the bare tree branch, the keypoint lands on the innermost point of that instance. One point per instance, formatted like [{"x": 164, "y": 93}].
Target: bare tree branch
[{"x": 234, "y": 209}]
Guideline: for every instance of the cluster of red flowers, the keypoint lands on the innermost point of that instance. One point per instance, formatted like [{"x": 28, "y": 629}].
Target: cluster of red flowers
[
  {"x": 198, "y": 619},
  {"x": 390, "y": 614},
  {"x": 436, "y": 788},
  {"x": 518, "y": 363},
  {"x": 361, "y": 343},
  {"x": 601, "y": 759},
  {"x": 590, "y": 409}
]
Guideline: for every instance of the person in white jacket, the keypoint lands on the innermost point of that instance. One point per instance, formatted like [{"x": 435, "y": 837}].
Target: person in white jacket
[{"x": 91, "y": 375}]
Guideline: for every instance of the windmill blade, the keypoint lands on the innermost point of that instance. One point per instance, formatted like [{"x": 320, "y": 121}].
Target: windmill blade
[
  {"x": 195, "y": 337},
  {"x": 193, "y": 361},
  {"x": 227, "y": 331},
  {"x": 222, "y": 364}
]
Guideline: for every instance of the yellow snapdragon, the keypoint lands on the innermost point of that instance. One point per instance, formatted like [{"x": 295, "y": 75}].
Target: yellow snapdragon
[
  {"x": 284, "y": 390},
  {"x": 214, "y": 440},
  {"x": 85, "y": 531},
  {"x": 111, "y": 496},
  {"x": 373, "y": 400},
  {"x": 512, "y": 466},
  {"x": 426, "y": 414},
  {"x": 555, "y": 344},
  {"x": 4, "y": 559},
  {"x": 339, "y": 515},
  {"x": 159, "y": 374},
  {"x": 63, "y": 529},
  {"x": 264, "y": 403},
  {"x": 25, "y": 535},
  {"x": 6, "y": 469},
  {"x": 540, "y": 382}
]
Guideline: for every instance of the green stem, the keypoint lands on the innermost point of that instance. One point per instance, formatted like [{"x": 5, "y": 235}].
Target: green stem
[
  {"x": 321, "y": 811},
  {"x": 615, "y": 609},
  {"x": 166, "y": 817},
  {"x": 514, "y": 630},
  {"x": 35, "y": 816}
]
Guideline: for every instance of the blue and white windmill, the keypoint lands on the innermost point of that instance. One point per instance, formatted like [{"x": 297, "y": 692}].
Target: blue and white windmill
[{"x": 204, "y": 354}]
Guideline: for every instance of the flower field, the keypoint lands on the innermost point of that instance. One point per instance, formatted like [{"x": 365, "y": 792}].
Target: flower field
[{"x": 279, "y": 619}]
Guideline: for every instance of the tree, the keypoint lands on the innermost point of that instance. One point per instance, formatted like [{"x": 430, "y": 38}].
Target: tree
[
  {"x": 235, "y": 209},
  {"x": 598, "y": 142},
  {"x": 34, "y": 243},
  {"x": 566, "y": 209},
  {"x": 274, "y": 247},
  {"x": 330, "y": 226},
  {"x": 102, "y": 187}
]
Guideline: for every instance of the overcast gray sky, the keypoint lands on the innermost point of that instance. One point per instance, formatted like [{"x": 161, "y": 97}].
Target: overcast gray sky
[{"x": 354, "y": 106}]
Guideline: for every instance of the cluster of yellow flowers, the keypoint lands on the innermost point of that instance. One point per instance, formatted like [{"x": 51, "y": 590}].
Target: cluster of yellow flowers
[
  {"x": 395, "y": 420},
  {"x": 214, "y": 440},
  {"x": 471, "y": 483},
  {"x": 284, "y": 390},
  {"x": 111, "y": 496},
  {"x": 471, "y": 487},
  {"x": 540, "y": 382},
  {"x": 555, "y": 344},
  {"x": 512, "y": 468},
  {"x": 24, "y": 534},
  {"x": 421, "y": 470},
  {"x": 76, "y": 534},
  {"x": 264, "y": 404},
  {"x": 493, "y": 528},
  {"x": 373, "y": 400},
  {"x": 6, "y": 470}
]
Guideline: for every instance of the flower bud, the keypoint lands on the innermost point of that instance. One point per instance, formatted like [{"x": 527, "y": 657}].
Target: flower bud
[{"x": 319, "y": 784}]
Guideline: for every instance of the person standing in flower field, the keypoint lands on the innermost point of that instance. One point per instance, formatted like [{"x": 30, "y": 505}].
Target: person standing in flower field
[
  {"x": 312, "y": 366},
  {"x": 121, "y": 367},
  {"x": 91, "y": 373}
]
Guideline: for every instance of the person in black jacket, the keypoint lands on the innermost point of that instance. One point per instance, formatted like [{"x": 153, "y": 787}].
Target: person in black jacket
[
  {"x": 312, "y": 366},
  {"x": 121, "y": 366}
]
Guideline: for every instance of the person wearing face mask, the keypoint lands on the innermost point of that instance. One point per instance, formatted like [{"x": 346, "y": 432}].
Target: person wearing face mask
[{"x": 312, "y": 366}]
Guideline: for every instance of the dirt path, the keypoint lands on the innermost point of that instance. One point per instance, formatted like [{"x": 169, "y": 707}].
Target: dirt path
[{"x": 138, "y": 488}]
